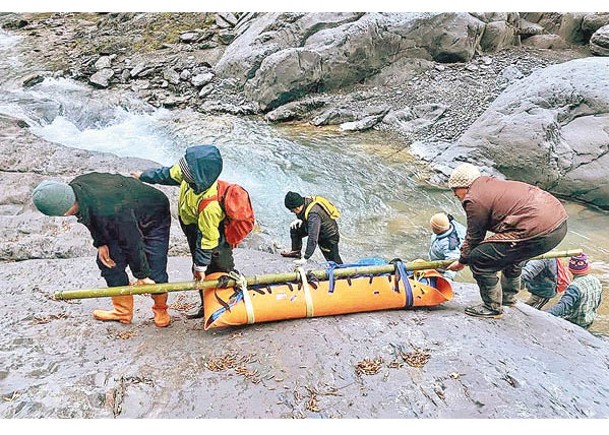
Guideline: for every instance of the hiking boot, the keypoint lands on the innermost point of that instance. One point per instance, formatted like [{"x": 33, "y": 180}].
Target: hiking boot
[
  {"x": 290, "y": 254},
  {"x": 482, "y": 310},
  {"x": 537, "y": 301}
]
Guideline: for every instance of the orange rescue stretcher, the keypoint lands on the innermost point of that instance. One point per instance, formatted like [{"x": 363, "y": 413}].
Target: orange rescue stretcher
[{"x": 232, "y": 306}]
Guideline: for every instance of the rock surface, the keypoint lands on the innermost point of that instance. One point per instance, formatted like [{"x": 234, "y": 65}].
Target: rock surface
[
  {"x": 58, "y": 362},
  {"x": 548, "y": 129}
]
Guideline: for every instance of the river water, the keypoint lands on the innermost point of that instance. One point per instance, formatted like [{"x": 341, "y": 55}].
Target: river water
[{"x": 371, "y": 177}]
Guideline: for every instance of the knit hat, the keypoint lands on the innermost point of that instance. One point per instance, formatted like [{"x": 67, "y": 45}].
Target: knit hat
[
  {"x": 579, "y": 264},
  {"x": 439, "y": 223},
  {"x": 186, "y": 174},
  {"x": 463, "y": 176},
  {"x": 293, "y": 200},
  {"x": 53, "y": 198}
]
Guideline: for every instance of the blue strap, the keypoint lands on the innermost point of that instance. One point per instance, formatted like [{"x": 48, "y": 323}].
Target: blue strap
[
  {"x": 401, "y": 272},
  {"x": 331, "y": 266}
]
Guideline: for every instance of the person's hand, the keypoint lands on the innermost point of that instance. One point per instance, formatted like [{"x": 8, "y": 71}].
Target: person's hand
[
  {"x": 456, "y": 266},
  {"x": 300, "y": 261},
  {"x": 144, "y": 281},
  {"x": 136, "y": 174},
  {"x": 198, "y": 272},
  {"x": 104, "y": 256},
  {"x": 296, "y": 224}
]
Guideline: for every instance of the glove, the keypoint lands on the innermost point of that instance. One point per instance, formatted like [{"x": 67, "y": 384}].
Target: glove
[
  {"x": 300, "y": 261},
  {"x": 144, "y": 281},
  {"x": 296, "y": 224}
]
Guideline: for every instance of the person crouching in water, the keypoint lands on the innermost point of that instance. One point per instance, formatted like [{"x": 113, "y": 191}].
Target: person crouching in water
[
  {"x": 129, "y": 223},
  {"x": 196, "y": 173},
  {"x": 315, "y": 219},
  {"x": 446, "y": 240},
  {"x": 579, "y": 304}
]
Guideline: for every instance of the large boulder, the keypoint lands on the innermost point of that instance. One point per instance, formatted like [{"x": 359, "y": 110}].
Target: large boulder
[
  {"x": 281, "y": 57},
  {"x": 549, "y": 129},
  {"x": 599, "y": 42}
]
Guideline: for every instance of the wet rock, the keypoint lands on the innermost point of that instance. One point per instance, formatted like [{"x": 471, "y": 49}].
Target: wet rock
[
  {"x": 362, "y": 124},
  {"x": 32, "y": 79}
]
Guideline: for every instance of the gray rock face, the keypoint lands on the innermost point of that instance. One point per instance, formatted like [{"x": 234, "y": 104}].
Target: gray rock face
[
  {"x": 592, "y": 22},
  {"x": 599, "y": 42},
  {"x": 550, "y": 129},
  {"x": 282, "y": 57}
]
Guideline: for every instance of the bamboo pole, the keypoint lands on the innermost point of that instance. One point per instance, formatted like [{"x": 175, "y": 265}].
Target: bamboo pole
[{"x": 274, "y": 278}]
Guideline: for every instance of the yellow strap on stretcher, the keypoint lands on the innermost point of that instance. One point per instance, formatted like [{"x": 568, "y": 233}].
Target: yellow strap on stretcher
[
  {"x": 307, "y": 290},
  {"x": 247, "y": 300}
]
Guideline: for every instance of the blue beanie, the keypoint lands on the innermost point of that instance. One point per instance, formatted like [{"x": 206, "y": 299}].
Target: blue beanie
[{"x": 53, "y": 198}]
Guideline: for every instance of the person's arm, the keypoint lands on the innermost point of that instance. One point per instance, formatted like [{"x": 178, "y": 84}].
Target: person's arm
[
  {"x": 567, "y": 303},
  {"x": 313, "y": 228},
  {"x": 477, "y": 222},
  {"x": 209, "y": 235},
  {"x": 170, "y": 176}
]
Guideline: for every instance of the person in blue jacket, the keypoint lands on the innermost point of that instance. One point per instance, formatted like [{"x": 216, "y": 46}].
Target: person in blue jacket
[{"x": 446, "y": 240}]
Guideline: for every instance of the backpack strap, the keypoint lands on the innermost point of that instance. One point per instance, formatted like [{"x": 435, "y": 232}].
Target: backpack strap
[
  {"x": 221, "y": 187},
  {"x": 205, "y": 201}
]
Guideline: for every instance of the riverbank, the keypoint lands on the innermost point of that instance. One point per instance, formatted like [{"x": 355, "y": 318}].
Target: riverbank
[{"x": 433, "y": 363}]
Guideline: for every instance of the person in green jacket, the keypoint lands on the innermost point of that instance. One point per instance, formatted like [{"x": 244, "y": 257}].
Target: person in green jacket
[
  {"x": 197, "y": 175},
  {"x": 129, "y": 222}
]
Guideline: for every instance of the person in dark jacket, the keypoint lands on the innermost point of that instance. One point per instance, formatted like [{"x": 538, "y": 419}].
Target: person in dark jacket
[
  {"x": 197, "y": 175},
  {"x": 129, "y": 223},
  {"x": 316, "y": 220},
  {"x": 526, "y": 222}
]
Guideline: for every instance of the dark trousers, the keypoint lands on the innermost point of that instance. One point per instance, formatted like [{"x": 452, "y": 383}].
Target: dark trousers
[
  {"x": 488, "y": 258},
  {"x": 329, "y": 248},
  {"x": 156, "y": 244},
  {"x": 222, "y": 259}
]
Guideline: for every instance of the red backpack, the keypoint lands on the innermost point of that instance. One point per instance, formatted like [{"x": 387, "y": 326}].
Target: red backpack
[
  {"x": 563, "y": 277},
  {"x": 236, "y": 204}
]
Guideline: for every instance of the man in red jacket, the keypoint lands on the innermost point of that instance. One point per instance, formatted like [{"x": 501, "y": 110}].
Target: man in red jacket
[{"x": 526, "y": 221}]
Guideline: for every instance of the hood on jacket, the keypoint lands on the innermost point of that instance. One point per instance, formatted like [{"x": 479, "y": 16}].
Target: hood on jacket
[{"x": 205, "y": 164}]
